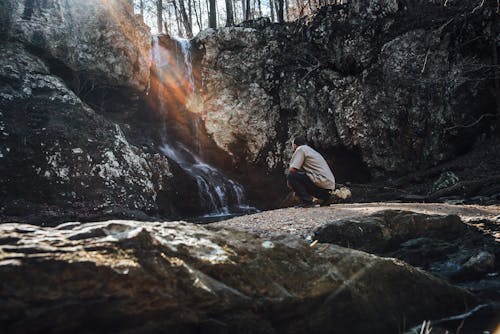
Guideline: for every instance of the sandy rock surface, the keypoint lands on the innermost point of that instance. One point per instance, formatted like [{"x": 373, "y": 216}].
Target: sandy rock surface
[{"x": 302, "y": 222}]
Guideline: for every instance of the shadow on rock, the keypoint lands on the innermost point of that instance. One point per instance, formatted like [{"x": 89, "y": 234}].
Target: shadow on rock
[{"x": 441, "y": 244}]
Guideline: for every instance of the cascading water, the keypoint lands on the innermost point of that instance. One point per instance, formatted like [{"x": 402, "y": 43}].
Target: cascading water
[
  {"x": 219, "y": 194},
  {"x": 185, "y": 46}
]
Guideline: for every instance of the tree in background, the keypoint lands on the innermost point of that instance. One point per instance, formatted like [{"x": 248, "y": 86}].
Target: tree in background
[
  {"x": 229, "y": 13},
  {"x": 185, "y": 18},
  {"x": 159, "y": 15},
  {"x": 212, "y": 14}
]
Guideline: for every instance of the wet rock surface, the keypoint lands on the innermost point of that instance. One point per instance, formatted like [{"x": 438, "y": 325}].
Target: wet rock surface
[{"x": 128, "y": 276}]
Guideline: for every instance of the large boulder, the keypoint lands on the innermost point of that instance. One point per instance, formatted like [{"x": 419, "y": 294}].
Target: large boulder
[
  {"x": 380, "y": 87},
  {"x": 71, "y": 77},
  {"x": 58, "y": 157},
  {"x": 126, "y": 276},
  {"x": 441, "y": 244}
]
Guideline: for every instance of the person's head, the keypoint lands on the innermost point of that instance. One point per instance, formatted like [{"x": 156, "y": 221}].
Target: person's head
[{"x": 299, "y": 141}]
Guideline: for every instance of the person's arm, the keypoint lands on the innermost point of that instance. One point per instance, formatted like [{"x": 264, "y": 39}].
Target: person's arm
[{"x": 297, "y": 161}]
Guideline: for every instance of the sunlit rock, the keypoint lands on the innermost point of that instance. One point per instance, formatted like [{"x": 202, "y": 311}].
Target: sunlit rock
[
  {"x": 100, "y": 41},
  {"x": 126, "y": 276}
]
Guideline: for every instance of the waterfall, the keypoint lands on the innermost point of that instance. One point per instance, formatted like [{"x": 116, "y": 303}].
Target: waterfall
[
  {"x": 218, "y": 193},
  {"x": 185, "y": 46}
]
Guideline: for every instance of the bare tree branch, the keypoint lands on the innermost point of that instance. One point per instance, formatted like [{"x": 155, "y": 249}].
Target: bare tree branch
[{"x": 469, "y": 125}]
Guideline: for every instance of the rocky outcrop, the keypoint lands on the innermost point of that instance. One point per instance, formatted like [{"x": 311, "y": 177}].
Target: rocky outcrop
[
  {"x": 99, "y": 41},
  {"x": 380, "y": 87},
  {"x": 70, "y": 79},
  {"x": 59, "y": 157},
  {"x": 126, "y": 276}
]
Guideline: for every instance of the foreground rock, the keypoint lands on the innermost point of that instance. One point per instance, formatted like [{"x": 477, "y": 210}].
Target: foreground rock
[
  {"x": 441, "y": 244},
  {"x": 457, "y": 242},
  {"x": 125, "y": 276}
]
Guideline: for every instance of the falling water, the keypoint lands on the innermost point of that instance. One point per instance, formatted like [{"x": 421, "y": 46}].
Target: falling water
[
  {"x": 186, "y": 52},
  {"x": 220, "y": 194}
]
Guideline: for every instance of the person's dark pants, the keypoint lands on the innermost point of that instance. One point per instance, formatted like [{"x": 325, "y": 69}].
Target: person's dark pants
[{"x": 304, "y": 188}]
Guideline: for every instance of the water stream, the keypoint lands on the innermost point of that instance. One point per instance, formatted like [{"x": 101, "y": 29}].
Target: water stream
[{"x": 221, "y": 195}]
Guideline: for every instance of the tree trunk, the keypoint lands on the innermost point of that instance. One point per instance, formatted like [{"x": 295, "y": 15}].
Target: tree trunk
[
  {"x": 190, "y": 13},
  {"x": 271, "y": 4},
  {"x": 201, "y": 14},
  {"x": 207, "y": 6},
  {"x": 260, "y": 7},
  {"x": 301, "y": 6},
  {"x": 212, "y": 19},
  {"x": 243, "y": 10},
  {"x": 229, "y": 13},
  {"x": 235, "y": 11},
  {"x": 279, "y": 10},
  {"x": 185, "y": 20},
  {"x": 287, "y": 10},
  {"x": 168, "y": 24},
  {"x": 247, "y": 10},
  {"x": 176, "y": 12},
  {"x": 159, "y": 15},
  {"x": 198, "y": 19}
]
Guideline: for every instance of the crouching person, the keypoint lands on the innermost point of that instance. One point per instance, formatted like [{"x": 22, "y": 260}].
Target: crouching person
[{"x": 309, "y": 175}]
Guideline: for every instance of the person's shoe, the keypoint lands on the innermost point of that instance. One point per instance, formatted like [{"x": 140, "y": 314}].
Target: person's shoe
[
  {"x": 327, "y": 201},
  {"x": 304, "y": 205}
]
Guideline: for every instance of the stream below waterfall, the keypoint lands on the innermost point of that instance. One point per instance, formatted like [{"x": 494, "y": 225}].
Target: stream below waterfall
[{"x": 219, "y": 195}]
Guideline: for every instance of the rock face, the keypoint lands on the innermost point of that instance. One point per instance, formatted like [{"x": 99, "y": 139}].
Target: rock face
[
  {"x": 70, "y": 74},
  {"x": 57, "y": 152},
  {"x": 379, "y": 87},
  {"x": 99, "y": 41},
  {"x": 125, "y": 276}
]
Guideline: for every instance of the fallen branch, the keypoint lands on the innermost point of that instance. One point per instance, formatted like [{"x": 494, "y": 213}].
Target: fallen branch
[
  {"x": 478, "y": 7},
  {"x": 469, "y": 125},
  {"x": 310, "y": 70},
  {"x": 463, "y": 188},
  {"x": 425, "y": 61},
  {"x": 440, "y": 29}
]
